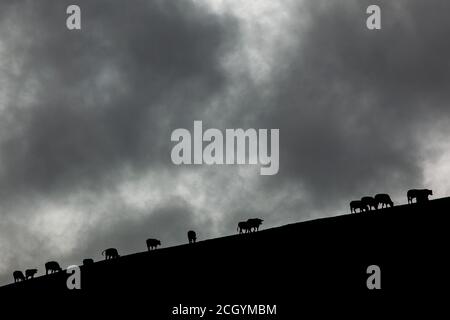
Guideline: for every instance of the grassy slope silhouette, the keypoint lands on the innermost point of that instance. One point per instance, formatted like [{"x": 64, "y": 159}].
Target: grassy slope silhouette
[{"x": 308, "y": 260}]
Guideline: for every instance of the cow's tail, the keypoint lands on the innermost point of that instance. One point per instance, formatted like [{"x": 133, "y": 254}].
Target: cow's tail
[{"x": 103, "y": 252}]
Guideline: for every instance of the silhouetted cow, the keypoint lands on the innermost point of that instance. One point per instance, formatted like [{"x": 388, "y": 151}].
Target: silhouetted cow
[
  {"x": 29, "y": 273},
  {"x": 52, "y": 267},
  {"x": 243, "y": 227},
  {"x": 18, "y": 276},
  {"x": 383, "y": 199},
  {"x": 420, "y": 195},
  {"x": 192, "y": 236},
  {"x": 88, "y": 261},
  {"x": 369, "y": 202},
  {"x": 152, "y": 244},
  {"x": 357, "y": 204},
  {"x": 253, "y": 224},
  {"x": 110, "y": 253}
]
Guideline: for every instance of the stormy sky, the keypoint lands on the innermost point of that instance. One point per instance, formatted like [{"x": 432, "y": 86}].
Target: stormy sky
[{"x": 86, "y": 116}]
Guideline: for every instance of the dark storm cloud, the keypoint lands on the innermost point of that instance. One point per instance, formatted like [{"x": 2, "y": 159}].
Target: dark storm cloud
[
  {"x": 104, "y": 97},
  {"x": 353, "y": 104}
]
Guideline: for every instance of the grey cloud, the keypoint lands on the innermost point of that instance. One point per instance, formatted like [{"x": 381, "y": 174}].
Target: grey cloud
[
  {"x": 352, "y": 104},
  {"x": 107, "y": 96}
]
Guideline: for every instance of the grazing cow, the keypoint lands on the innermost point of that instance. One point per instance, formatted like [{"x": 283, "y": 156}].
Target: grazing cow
[
  {"x": 383, "y": 199},
  {"x": 369, "y": 202},
  {"x": 243, "y": 227},
  {"x": 88, "y": 261},
  {"x": 192, "y": 236},
  {"x": 18, "y": 276},
  {"x": 152, "y": 244},
  {"x": 357, "y": 204},
  {"x": 110, "y": 253},
  {"x": 253, "y": 224},
  {"x": 52, "y": 267},
  {"x": 421, "y": 195},
  {"x": 29, "y": 273}
]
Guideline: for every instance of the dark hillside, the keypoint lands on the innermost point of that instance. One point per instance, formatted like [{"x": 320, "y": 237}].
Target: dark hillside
[{"x": 297, "y": 263}]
